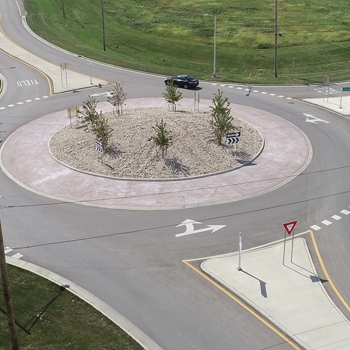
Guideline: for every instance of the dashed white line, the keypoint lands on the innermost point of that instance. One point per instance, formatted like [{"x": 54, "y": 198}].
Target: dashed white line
[
  {"x": 280, "y": 96},
  {"x": 264, "y": 93},
  {"x": 37, "y": 98},
  {"x": 289, "y": 98},
  {"x": 10, "y": 105},
  {"x": 346, "y": 212},
  {"x": 239, "y": 88},
  {"x": 2, "y": 107},
  {"x": 8, "y": 249},
  {"x": 272, "y": 94},
  {"x": 28, "y": 100},
  {"x": 255, "y": 90},
  {"x": 326, "y": 222},
  {"x": 336, "y": 217},
  {"x": 46, "y": 96},
  {"x": 20, "y": 103},
  {"x": 315, "y": 227}
]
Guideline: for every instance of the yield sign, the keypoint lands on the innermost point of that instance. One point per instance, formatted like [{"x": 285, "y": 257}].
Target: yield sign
[{"x": 289, "y": 226}]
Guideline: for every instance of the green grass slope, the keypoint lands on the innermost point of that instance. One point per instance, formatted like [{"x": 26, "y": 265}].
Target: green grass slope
[{"x": 170, "y": 37}]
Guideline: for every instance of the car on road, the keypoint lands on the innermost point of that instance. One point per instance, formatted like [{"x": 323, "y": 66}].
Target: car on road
[{"x": 183, "y": 81}]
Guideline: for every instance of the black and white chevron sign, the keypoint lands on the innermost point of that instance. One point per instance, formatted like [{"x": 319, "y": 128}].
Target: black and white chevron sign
[
  {"x": 233, "y": 137},
  {"x": 98, "y": 146}
]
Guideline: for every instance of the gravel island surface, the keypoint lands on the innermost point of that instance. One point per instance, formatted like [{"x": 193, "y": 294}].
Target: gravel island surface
[{"x": 130, "y": 154}]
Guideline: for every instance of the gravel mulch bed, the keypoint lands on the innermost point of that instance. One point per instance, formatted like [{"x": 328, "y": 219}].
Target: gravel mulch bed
[{"x": 131, "y": 155}]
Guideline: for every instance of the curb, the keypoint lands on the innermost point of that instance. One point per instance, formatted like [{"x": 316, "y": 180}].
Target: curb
[{"x": 98, "y": 304}]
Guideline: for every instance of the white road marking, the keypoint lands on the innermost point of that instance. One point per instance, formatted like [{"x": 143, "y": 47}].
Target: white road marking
[
  {"x": 2, "y": 107},
  {"x": 272, "y": 94},
  {"x": 28, "y": 100},
  {"x": 37, "y": 98},
  {"x": 46, "y": 96},
  {"x": 289, "y": 98},
  {"x": 190, "y": 228},
  {"x": 20, "y": 103},
  {"x": 346, "y": 212},
  {"x": 280, "y": 96},
  {"x": 239, "y": 88},
  {"x": 264, "y": 93},
  {"x": 8, "y": 249},
  {"x": 10, "y": 105},
  {"x": 17, "y": 256},
  {"x": 315, "y": 227},
  {"x": 336, "y": 217},
  {"x": 326, "y": 222},
  {"x": 255, "y": 90}
]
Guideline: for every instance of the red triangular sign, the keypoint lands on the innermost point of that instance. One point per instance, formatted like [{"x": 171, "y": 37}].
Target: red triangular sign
[{"x": 289, "y": 226}]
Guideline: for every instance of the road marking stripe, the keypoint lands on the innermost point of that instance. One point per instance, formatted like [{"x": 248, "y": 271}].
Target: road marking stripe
[
  {"x": 336, "y": 217},
  {"x": 8, "y": 249},
  {"x": 17, "y": 256},
  {"x": 289, "y": 98},
  {"x": 346, "y": 212},
  {"x": 240, "y": 302},
  {"x": 326, "y": 222},
  {"x": 280, "y": 96},
  {"x": 315, "y": 227},
  {"x": 326, "y": 273},
  {"x": 264, "y": 93}
]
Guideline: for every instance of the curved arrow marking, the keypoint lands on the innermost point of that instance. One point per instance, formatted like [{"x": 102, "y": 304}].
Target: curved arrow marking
[{"x": 190, "y": 228}]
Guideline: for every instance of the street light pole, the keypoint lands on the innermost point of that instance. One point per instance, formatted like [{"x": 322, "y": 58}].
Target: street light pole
[
  {"x": 214, "y": 68},
  {"x": 103, "y": 26},
  {"x": 276, "y": 39},
  {"x": 214, "y": 64}
]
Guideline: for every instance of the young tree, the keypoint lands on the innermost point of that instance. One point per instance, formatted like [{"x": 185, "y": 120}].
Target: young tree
[
  {"x": 89, "y": 113},
  {"x": 221, "y": 121},
  {"x": 117, "y": 97},
  {"x": 171, "y": 94},
  {"x": 102, "y": 130},
  {"x": 163, "y": 138}
]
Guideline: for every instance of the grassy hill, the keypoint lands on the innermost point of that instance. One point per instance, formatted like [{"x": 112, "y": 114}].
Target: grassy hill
[{"x": 172, "y": 37}]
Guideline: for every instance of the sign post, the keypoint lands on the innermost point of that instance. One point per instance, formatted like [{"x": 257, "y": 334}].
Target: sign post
[
  {"x": 240, "y": 252},
  {"x": 289, "y": 227},
  {"x": 345, "y": 88}
]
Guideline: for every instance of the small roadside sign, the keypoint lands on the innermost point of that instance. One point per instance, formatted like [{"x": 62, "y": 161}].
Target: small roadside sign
[
  {"x": 233, "y": 137},
  {"x": 346, "y": 88},
  {"x": 98, "y": 146},
  {"x": 289, "y": 226}
]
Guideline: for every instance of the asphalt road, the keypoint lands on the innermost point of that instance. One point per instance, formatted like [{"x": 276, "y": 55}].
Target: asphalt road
[{"x": 132, "y": 259}]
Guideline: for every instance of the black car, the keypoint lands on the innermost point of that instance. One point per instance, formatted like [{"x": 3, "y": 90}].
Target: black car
[{"x": 184, "y": 81}]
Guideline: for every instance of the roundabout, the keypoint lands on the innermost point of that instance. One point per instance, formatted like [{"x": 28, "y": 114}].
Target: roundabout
[{"x": 286, "y": 153}]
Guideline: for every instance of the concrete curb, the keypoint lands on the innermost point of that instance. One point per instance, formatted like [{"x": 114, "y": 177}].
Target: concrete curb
[{"x": 95, "y": 302}]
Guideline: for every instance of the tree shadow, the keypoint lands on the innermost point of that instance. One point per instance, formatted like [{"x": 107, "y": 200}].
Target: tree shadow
[
  {"x": 177, "y": 167},
  {"x": 34, "y": 319}
]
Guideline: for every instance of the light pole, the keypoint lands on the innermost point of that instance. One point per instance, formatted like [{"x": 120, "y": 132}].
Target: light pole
[
  {"x": 214, "y": 64},
  {"x": 276, "y": 39},
  {"x": 103, "y": 26}
]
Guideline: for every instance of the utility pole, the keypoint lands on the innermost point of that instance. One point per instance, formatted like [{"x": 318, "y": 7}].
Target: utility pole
[
  {"x": 103, "y": 26},
  {"x": 7, "y": 296},
  {"x": 63, "y": 13},
  {"x": 276, "y": 38}
]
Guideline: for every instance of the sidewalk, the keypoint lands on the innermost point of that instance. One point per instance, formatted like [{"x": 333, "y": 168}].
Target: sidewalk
[{"x": 290, "y": 296}]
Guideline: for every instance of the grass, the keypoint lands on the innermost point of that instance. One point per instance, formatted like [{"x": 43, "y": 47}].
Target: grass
[
  {"x": 50, "y": 317},
  {"x": 171, "y": 37}
]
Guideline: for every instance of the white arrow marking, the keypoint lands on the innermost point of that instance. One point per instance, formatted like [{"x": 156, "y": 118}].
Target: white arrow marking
[
  {"x": 314, "y": 119},
  {"x": 190, "y": 228}
]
